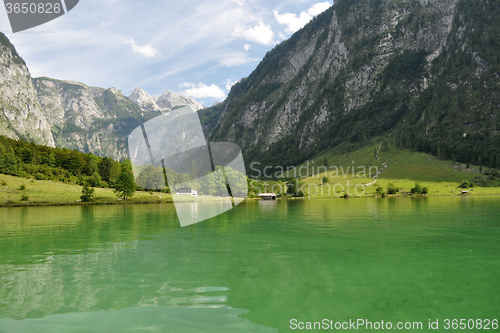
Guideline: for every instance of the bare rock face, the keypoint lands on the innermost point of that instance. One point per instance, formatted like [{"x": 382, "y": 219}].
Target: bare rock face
[
  {"x": 21, "y": 116},
  {"x": 170, "y": 100},
  {"x": 65, "y": 101},
  {"x": 144, "y": 100},
  {"x": 88, "y": 119},
  {"x": 164, "y": 103}
]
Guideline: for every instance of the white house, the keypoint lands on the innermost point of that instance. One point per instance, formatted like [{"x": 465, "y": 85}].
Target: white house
[{"x": 186, "y": 191}]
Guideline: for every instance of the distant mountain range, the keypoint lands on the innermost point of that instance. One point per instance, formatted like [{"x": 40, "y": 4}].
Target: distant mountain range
[
  {"x": 72, "y": 115},
  {"x": 165, "y": 102}
]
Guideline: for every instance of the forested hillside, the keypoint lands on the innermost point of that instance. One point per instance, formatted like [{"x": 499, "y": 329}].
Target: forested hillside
[
  {"x": 458, "y": 116},
  {"x": 424, "y": 75},
  {"x": 20, "y": 158}
]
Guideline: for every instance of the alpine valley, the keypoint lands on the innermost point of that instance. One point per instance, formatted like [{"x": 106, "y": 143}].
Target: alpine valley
[{"x": 422, "y": 75}]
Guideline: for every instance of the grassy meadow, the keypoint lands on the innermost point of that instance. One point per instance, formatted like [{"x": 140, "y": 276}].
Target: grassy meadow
[
  {"x": 52, "y": 193},
  {"x": 46, "y": 192},
  {"x": 401, "y": 167}
]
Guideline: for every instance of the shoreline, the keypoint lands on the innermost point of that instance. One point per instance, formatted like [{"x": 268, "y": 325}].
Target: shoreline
[
  {"x": 47, "y": 193},
  {"x": 13, "y": 204}
]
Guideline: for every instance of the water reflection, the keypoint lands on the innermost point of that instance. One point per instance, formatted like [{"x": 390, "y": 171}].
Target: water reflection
[
  {"x": 120, "y": 279},
  {"x": 257, "y": 266},
  {"x": 267, "y": 205}
]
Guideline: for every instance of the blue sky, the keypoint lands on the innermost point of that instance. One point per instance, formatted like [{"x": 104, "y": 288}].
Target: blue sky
[{"x": 196, "y": 48}]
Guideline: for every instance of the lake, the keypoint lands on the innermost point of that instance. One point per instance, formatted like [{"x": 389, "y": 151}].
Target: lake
[{"x": 254, "y": 269}]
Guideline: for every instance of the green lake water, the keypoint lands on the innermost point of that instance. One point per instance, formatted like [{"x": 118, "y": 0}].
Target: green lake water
[{"x": 134, "y": 269}]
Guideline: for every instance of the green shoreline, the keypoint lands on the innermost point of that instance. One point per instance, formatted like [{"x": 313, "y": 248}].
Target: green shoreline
[
  {"x": 130, "y": 202},
  {"x": 91, "y": 203},
  {"x": 51, "y": 193},
  {"x": 169, "y": 200}
]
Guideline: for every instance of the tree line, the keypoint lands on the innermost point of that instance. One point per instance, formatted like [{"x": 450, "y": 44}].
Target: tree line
[{"x": 29, "y": 160}]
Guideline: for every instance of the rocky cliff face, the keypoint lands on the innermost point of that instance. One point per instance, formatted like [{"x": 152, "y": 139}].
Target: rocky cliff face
[
  {"x": 21, "y": 115},
  {"x": 97, "y": 120},
  {"x": 89, "y": 119},
  {"x": 356, "y": 71},
  {"x": 164, "y": 103}
]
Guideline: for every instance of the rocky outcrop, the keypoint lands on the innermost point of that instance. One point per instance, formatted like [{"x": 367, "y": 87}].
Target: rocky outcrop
[
  {"x": 164, "y": 103},
  {"x": 98, "y": 120},
  {"x": 21, "y": 115},
  {"x": 144, "y": 100}
]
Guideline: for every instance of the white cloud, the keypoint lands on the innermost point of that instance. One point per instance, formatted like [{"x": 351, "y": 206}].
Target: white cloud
[
  {"x": 261, "y": 33},
  {"x": 202, "y": 90},
  {"x": 230, "y": 83},
  {"x": 247, "y": 47},
  {"x": 319, "y": 8},
  {"x": 294, "y": 22},
  {"x": 236, "y": 59},
  {"x": 146, "y": 50}
]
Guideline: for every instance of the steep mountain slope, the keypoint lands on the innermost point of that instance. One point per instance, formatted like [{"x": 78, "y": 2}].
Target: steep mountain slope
[
  {"x": 21, "y": 115},
  {"x": 89, "y": 119},
  {"x": 458, "y": 116},
  {"x": 369, "y": 68}
]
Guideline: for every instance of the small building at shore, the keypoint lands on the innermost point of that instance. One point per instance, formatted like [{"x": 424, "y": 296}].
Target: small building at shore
[{"x": 267, "y": 196}]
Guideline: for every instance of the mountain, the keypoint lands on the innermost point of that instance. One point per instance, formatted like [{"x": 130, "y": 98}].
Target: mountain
[
  {"x": 164, "y": 103},
  {"x": 98, "y": 120},
  {"x": 143, "y": 100},
  {"x": 72, "y": 115},
  {"x": 423, "y": 74},
  {"x": 89, "y": 119},
  {"x": 21, "y": 115},
  {"x": 418, "y": 74},
  {"x": 170, "y": 100}
]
